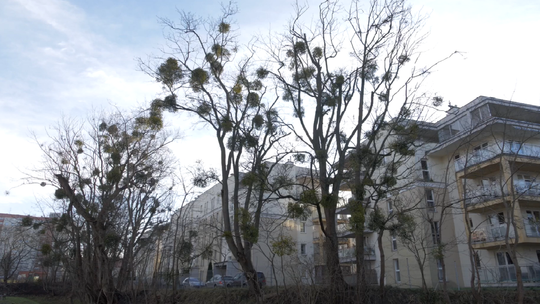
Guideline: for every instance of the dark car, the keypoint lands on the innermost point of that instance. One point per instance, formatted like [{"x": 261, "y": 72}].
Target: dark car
[
  {"x": 220, "y": 281},
  {"x": 192, "y": 282},
  {"x": 240, "y": 280}
]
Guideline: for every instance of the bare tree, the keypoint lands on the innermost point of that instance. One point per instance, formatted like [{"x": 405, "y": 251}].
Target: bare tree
[
  {"x": 341, "y": 101},
  {"x": 114, "y": 173},
  {"x": 17, "y": 249},
  {"x": 205, "y": 77}
]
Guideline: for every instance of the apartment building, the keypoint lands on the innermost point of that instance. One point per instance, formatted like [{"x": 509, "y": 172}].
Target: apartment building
[
  {"x": 472, "y": 190},
  {"x": 493, "y": 146},
  {"x": 200, "y": 223},
  {"x": 19, "y": 248}
]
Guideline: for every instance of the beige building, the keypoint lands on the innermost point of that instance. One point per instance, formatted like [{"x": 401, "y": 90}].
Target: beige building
[
  {"x": 493, "y": 147},
  {"x": 200, "y": 223},
  {"x": 471, "y": 189}
]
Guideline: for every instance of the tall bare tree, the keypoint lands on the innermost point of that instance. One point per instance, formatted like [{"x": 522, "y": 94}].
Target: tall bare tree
[
  {"x": 113, "y": 172},
  {"x": 350, "y": 85},
  {"x": 209, "y": 76}
]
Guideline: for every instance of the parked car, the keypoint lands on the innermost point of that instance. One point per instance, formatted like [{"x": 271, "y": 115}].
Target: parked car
[
  {"x": 192, "y": 282},
  {"x": 240, "y": 280},
  {"x": 220, "y": 281}
]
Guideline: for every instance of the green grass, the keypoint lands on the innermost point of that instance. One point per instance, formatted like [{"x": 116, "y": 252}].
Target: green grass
[
  {"x": 17, "y": 300},
  {"x": 36, "y": 300}
]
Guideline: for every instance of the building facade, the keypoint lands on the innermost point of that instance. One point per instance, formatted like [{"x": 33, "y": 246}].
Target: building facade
[
  {"x": 470, "y": 193},
  {"x": 471, "y": 190},
  {"x": 200, "y": 223},
  {"x": 475, "y": 184}
]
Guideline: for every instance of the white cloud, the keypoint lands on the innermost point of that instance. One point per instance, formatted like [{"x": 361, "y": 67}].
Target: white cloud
[
  {"x": 61, "y": 15},
  {"x": 58, "y": 66},
  {"x": 61, "y": 58}
]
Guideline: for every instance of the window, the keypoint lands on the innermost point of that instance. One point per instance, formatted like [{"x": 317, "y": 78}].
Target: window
[
  {"x": 394, "y": 241},
  {"x": 302, "y": 226},
  {"x": 498, "y": 225},
  {"x": 477, "y": 261},
  {"x": 503, "y": 259},
  {"x": 390, "y": 207},
  {"x": 532, "y": 227},
  {"x": 507, "y": 271},
  {"x": 430, "y": 200},
  {"x": 480, "y": 151},
  {"x": 440, "y": 270},
  {"x": 514, "y": 146},
  {"x": 533, "y": 216},
  {"x": 497, "y": 219},
  {"x": 396, "y": 270},
  {"x": 435, "y": 232},
  {"x": 524, "y": 184},
  {"x": 386, "y": 156},
  {"x": 458, "y": 162},
  {"x": 425, "y": 170},
  {"x": 303, "y": 249},
  {"x": 471, "y": 223}
]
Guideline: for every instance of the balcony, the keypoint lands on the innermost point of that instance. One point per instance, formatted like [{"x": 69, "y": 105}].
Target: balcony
[
  {"x": 345, "y": 233},
  {"x": 495, "y": 235},
  {"x": 489, "y": 194},
  {"x": 527, "y": 189},
  {"x": 349, "y": 254},
  {"x": 507, "y": 274},
  {"x": 532, "y": 229},
  {"x": 483, "y": 195},
  {"x": 492, "y": 151}
]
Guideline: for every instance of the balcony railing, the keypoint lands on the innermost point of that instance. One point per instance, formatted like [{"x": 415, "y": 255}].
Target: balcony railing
[
  {"x": 529, "y": 189},
  {"x": 507, "y": 274},
  {"x": 350, "y": 253},
  {"x": 483, "y": 195},
  {"x": 532, "y": 229},
  {"x": 487, "y": 194},
  {"x": 491, "y": 234},
  {"x": 474, "y": 158},
  {"x": 491, "y": 151},
  {"x": 343, "y": 229}
]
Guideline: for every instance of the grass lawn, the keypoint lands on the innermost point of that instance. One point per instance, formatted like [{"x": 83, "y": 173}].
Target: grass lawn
[
  {"x": 36, "y": 300},
  {"x": 17, "y": 300}
]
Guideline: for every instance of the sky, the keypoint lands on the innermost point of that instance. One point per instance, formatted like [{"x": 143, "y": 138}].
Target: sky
[{"x": 66, "y": 57}]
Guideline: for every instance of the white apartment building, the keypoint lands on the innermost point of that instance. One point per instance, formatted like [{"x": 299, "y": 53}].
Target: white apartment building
[
  {"x": 202, "y": 221},
  {"x": 493, "y": 147},
  {"x": 472, "y": 188},
  {"x": 473, "y": 183}
]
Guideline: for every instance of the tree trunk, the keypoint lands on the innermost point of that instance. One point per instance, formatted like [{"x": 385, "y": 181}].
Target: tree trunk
[
  {"x": 476, "y": 290},
  {"x": 331, "y": 248},
  {"x": 382, "y": 274},
  {"x": 421, "y": 268},
  {"x": 445, "y": 287},
  {"x": 520, "y": 290},
  {"x": 252, "y": 277},
  {"x": 361, "y": 284}
]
